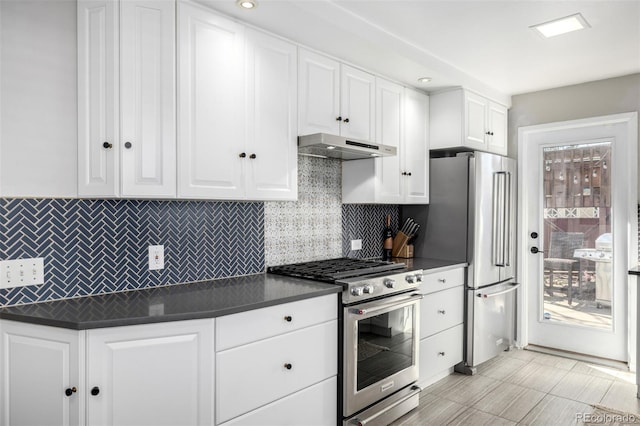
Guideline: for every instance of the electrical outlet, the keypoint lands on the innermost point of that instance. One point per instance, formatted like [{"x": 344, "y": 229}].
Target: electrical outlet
[
  {"x": 156, "y": 257},
  {"x": 356, "y": 244},
  {"x": 21, "y": 272}
]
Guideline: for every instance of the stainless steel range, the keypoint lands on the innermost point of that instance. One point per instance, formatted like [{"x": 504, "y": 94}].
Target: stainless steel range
[{"x": 379, "y": 317}]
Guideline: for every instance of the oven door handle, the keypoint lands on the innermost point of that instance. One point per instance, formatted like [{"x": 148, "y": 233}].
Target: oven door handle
[{"x": 387, "y": 306}]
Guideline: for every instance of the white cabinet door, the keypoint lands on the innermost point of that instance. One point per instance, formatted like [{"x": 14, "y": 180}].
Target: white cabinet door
[
  {"x": 211, "y": 126},
  {"x": 98, "y": 125},
  {"x": 389, "y": 128},
  {"x": 497, "y": 125},
  {"x": 415, "y": 148},
  {"x": 439, "y": 353},
  {"x": 475, "y": 125},
  {"x": 271, "y": 165},
  {"x": 318, "y": 94},
  {"x": 357, "y": 104},
  {"x": 256, "y": 374},
  {"x": 147, "y": 100},
  {"x": 38, "y": 364},
  {"x": 314, "y": 406},
  {"x": 152, "y": 374}
]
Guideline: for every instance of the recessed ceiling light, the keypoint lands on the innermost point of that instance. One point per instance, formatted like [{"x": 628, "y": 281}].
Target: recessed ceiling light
[
  {"x": 247, "y": 4},
  {"x": 561, "y": 26},
  {"x": 424, "y": 79}
]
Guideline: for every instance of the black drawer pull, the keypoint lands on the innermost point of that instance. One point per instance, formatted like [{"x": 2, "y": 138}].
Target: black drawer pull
[
  {"x": 288, "y": 318},
  {"x": 288, "y": 366},
  {"x": 70, "y": 391},
  {"x": 95, "y": 391}
]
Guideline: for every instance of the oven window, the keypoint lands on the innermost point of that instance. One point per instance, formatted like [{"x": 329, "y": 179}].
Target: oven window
[{"x": 385, "y": 345}]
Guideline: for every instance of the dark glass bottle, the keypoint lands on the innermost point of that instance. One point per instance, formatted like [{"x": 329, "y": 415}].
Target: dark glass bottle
[{"x": 388, "y": 240}]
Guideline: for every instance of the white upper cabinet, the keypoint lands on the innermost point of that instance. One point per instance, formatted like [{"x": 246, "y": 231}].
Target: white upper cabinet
[
  {"x": 319, "y": 94},
  {"x": 460, "y": 118},
  {"x": 402, "y": 120},
  {"x": 415, "y": 148},
  {"x": 236, "y": 116},
  {"x": 211, "y": 104},
  {"x": 126, "y": 98},
  {"x": 272, "y": 137},
  {"x": 335, "y": 98}
]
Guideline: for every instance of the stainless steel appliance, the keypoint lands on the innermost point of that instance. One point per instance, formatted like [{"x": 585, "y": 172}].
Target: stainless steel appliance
[
  {"x": 471, "y": 217},
  {"x": 326, "y": 145},
  {"x": 602, "y": 256},
  {"x": 379, "y": 316}
]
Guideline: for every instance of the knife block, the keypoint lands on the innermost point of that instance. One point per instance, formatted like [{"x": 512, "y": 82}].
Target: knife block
[{"x": 400, "y": 246}]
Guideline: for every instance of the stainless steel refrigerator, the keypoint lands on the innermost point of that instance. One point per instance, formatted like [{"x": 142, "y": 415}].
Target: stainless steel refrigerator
[{"x": 471, "y": 217}]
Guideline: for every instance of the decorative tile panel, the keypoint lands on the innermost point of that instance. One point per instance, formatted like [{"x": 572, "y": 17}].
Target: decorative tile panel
[
  {"x": 572, "y": 212},
  {"x": 366, "y": 222},
  {"x": 310, "y": 228},
  {"x": 101, "y": 246}
]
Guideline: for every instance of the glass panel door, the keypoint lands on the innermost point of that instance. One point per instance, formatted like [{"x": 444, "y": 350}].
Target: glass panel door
[{"x": 577, "y": 234}]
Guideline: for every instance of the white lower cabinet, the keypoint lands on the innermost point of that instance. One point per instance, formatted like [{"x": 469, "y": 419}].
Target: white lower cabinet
[
  {"x": 40, "y": 381},
  {"x": 169, "y": 374},
  {"x": 313, "y": 406},
  {"x": 439, "y": 353},
  {"x": 441, "y": 324},
  {"x": 152, "y": 374},
  {"x": 273, "y": 357},
  {"x": 267, "y": 370}
]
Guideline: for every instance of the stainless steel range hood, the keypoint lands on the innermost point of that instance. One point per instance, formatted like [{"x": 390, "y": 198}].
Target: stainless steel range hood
[{"x": 331, "y": 146}]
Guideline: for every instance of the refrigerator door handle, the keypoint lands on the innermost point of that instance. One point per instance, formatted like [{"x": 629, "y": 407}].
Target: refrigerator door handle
[
  {"x": 499, "y": 209},
  {"x": 507, "y": 233},
  {"x": 513, "y": 287}
]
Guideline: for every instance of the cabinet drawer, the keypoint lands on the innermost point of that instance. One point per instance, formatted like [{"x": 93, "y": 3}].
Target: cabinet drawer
[
  {"x": 442, "y": 310},
  {"x": 246, "y": 327},
  {"x": 313, "y": 406},
  {"x": 440, "y": 352},
  {"x": 442, "y": 280},
  {"x": 250, "y": 376}
]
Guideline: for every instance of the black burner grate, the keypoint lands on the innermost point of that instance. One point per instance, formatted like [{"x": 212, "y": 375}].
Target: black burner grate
[{"x": 335, "y": 269}]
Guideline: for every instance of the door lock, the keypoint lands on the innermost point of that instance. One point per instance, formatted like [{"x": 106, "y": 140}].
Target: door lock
[{"x": 536, "y": 250}]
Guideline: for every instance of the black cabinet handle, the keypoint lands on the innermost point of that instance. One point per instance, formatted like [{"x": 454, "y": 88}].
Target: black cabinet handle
[
  {"x": 70, "y": 391},
  {"x": 535, "y": 250},
  {"x": 128, "y": 145},
  {"x": 243, "y": 154},
  {"x": 409, "y": 174},
  {"x": 441, "y": 354},
  {"x": 288, "y": 318},
  {"x": 404, "y": 173},
  {"x": 288, "y": 366},
  {"x": 253, "y": 156},
  {"x": 107, "y": 145},
  {"x": 534, "y": 235},
  {"x": 346, "y": 120},
  {"x": 491, "y": 133},
  {"x": 95, "y": 391},
  {"x": 338, "y": 118}
]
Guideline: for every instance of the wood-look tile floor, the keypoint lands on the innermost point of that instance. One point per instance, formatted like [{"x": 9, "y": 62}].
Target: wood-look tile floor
[{"x": 525, "y": 388}]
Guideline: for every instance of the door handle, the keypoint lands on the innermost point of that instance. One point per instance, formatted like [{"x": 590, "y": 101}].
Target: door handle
[
  {"x": 513, "y": 287},
  {"x": 536, "y": 250}
]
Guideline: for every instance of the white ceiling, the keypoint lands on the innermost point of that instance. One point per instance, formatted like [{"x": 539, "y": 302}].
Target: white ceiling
[{"x": 483, "y": 45}]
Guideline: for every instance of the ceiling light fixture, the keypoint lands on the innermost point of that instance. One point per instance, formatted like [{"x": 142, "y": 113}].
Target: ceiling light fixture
[
  {"x": 561, "y": 26},
  {"x": 247, "y": 4},
  {"x": 424, "y": 79}
]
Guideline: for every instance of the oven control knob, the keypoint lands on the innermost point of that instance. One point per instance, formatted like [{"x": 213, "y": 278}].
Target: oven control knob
[
  {"x": 368, "y": 289},
  {"x": 410, "y": 279},
  {"x": 419, "y": 278},
  {"x": 389, "y": 283},
  {"x": 357, "y": 291}
]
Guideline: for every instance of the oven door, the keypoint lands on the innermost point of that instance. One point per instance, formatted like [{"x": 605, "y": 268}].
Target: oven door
[{"x": 381, "y": 340}]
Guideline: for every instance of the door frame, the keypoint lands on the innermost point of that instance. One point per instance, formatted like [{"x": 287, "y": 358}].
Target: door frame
[{"x": 525, "y": 134}]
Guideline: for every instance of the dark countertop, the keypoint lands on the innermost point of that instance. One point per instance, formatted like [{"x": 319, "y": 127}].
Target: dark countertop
[
  {"x": 634, "y": 271},
  {"x": 206, "y": 299}
]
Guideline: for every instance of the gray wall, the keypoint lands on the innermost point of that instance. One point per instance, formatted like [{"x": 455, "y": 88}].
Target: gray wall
[{"x": 596, "y": 98}]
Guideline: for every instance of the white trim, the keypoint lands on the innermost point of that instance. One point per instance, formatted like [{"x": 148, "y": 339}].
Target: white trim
[{"x": 630, "y": 120}]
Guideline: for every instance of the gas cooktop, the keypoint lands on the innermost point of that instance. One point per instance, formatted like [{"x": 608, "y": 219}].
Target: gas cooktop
[{"x": 332, "y": 270}]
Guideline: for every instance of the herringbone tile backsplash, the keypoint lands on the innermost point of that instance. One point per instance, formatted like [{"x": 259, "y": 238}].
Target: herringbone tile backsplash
[{"x": 100, "y": 246}]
